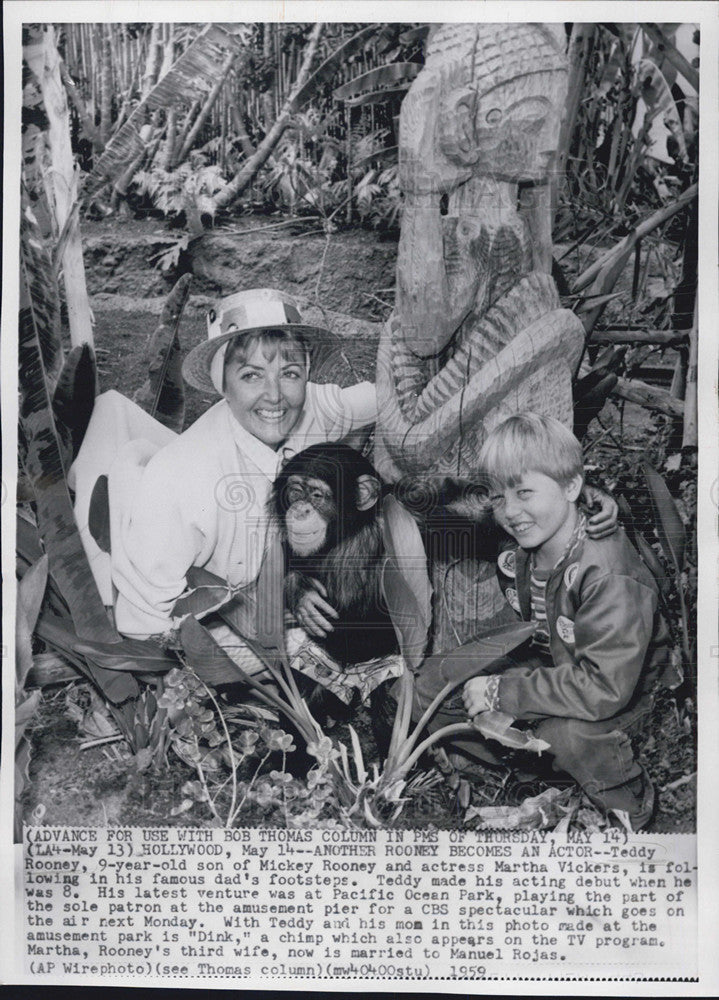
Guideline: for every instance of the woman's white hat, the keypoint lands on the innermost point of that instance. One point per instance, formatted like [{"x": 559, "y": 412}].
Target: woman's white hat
[{"x": 251, "y": 311}]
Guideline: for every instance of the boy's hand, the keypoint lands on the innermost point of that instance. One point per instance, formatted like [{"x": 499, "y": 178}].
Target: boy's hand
[
  {"x": 474, "y": 695},
  {"x": 604, "y": 522},
  {"x": 313, "y": 611}
]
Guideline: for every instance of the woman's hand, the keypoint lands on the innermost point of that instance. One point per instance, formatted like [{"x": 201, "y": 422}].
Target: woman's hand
[
  {"x": 313, "y": 611},
  {"x": 604, "y": 522}
]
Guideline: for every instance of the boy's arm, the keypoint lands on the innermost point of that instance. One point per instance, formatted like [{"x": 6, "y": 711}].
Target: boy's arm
[{"x": 612, "y": 630}]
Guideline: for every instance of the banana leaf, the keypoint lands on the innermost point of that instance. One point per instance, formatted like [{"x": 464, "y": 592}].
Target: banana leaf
[
  {"x": 98, "y": 515},
  {"x": 498, "y": 726},
  {"x": 207, "y": 593},
  {"x": 192, "y": 73},
  {"x": 74, "y": 397},
  {"x": 207, "y": 658},
  {"x": 163, "y": 393},
  {"x": 116, "y": 685},
  {"x": 406, "y": 587},
  {"x": 668, "y": 523},
  {"x": 137, "y": 656},
  {"x": 28, "y": 551},
  {"x": 649, "y": 556},
  {"x": 377, "y": 83},
  {"x": 490, "y": 645},
  {"x": 43, "y": 461},
  {"x": 42, "y": 292},
  {"x": 326, "y": 70},
  {"x": 30, "y": 592},
  {"x": 588, "y": 404}
]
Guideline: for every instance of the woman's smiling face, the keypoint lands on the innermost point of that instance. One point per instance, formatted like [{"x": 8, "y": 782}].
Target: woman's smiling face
[{"x": 266, "y": 390}]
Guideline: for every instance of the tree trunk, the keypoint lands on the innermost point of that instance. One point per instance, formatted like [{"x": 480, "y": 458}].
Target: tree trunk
[
  {"x": 44, "y": 61},
  {"x": 88, "y": 126},
  {"x": 250, "y": 169},
  {"x": 207, "y": 108},
  {"x": 649, "y": 397},
  {"x": 106, "y": 87},
  {"x": 168, "y": 153},
  {"x": 154, "y": 57}
]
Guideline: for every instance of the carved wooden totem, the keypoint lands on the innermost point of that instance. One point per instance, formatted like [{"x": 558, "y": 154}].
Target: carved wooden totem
[{"x": 477, "y": 332}]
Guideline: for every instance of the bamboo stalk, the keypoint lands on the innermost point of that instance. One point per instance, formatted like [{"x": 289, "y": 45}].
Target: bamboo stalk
[
  {"x": 690, "y": 438},
  {"x": 181, "y": 137},
  {"x": 88, "y": 126},
  {"x": 130, "y": 90},
  {"x": 152, "y": 64},
  {"x": 238, "y": 184},
  {"x": 206, "y": 109},
  {"x": 647, "y": 226},
  {"x": 168, "y": 153},
  {"x": 579, "y": 47},
  {"x": 638, "y": 336},
  {"x": 673, "y": 55},
  {"x": 649, "y": 397},
  {"x": 106, "y": 87}
]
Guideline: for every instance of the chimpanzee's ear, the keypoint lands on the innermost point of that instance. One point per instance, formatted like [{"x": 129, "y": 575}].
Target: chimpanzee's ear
[{"x": 368, "y": 491}]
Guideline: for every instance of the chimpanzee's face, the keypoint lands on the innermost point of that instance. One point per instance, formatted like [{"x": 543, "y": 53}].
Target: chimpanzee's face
[{"x": 310, "y": 515}]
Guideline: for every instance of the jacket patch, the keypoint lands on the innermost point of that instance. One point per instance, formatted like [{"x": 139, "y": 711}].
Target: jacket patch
[
  {"x": 570, "y": 574},
  {"x": 565, "y": 629},
  {"x": 506, "y": 563},
  {"x": 512, "y": 598}
]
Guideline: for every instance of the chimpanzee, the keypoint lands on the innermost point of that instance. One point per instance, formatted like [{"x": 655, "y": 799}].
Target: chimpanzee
[{"x": 328, "y": 499}]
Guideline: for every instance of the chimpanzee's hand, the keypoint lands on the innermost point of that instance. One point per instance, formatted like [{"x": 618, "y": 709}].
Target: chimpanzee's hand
[
  {"x": 604, "y": 522},
  {"x": 313, "y": 611}
]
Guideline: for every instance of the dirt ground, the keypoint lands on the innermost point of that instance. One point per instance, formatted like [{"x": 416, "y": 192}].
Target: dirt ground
[{"x": 351, "y": 273}]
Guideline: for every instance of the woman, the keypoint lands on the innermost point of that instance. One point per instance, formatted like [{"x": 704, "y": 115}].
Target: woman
[{"x": 199, "y": 499}]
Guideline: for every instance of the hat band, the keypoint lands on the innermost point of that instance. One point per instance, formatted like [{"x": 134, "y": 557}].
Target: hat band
[{"x": 258, "y": 313}]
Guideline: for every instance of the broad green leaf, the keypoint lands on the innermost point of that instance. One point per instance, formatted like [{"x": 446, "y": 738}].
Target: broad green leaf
[
  {"x": 206, "y": 657},
  {"x": 326, "y": 70},
  {"x": 485, "y": 648},
  {"x": 377, "y": 84},
  {"x": 406, "y": 587},
  {"x": 163, "y": 393},
  {"x": 30, "y": 593},
  {"x": 407, "y": 618},
  {"x": 133, "y": 655},
  {"x": 43, "y": 460},
  {"x": 24, "y": 713},
  {"x": 74, "y": 396},
  {"x": 116, "y": 686},
  {"x": 23, "y": 648},
  {"x": 498, "y": 726},
  {"x": 42, "y": 293},
  {"x": 668, "y": 523},
  {"x": 207, "y": 592},
  {"x": 31, "y": 590},
  {"x": 194, "y": 71}
]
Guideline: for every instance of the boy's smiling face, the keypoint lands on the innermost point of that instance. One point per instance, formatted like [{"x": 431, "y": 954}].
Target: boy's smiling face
[{"x": 538, "y": 512}]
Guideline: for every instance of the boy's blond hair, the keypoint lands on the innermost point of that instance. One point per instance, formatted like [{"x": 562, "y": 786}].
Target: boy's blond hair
[{"x": 528, "y": 442}]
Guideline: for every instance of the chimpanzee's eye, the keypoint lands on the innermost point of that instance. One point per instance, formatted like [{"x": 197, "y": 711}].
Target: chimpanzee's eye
[
  {"x": 319, "y": 496},
  {"x": 295, "y": 493}
]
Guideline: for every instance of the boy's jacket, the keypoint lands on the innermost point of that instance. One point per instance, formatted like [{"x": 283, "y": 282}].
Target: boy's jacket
[{"x": 607, "y": 639}]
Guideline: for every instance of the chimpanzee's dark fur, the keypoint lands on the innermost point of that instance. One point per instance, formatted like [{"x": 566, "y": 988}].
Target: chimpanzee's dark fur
[
  {"x": 349, "y": 567},
  {"x": 349, "y": 563}
]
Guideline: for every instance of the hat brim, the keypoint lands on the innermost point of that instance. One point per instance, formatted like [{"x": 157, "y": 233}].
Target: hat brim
[{"x": 196, "y": 366}]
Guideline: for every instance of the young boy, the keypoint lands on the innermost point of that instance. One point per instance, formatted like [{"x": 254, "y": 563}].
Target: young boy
[{"x": 584, "y": 679}]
